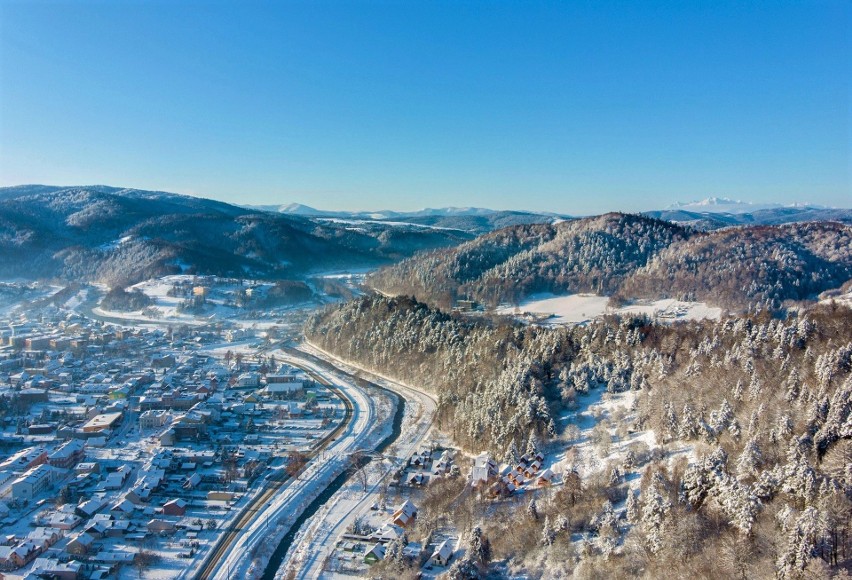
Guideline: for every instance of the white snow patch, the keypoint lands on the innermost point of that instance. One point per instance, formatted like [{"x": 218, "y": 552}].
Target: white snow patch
[
  {"x": 570, "y": 309},
  {"x": 670, "y": 310},
  {"x": 115, "y": 243},
  {"x": 581, "y": 308}
]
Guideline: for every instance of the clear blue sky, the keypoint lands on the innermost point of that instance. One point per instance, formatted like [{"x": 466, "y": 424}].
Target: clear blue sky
[{"x": 576, "y": 107}]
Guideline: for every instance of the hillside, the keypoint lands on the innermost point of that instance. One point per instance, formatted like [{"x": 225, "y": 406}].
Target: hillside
[
  {"x": 760, "y": 266},
  {"x": 632, "y": 256},
  {"x": 719, "y": 449},
  {"x": 119, "y": 236}
]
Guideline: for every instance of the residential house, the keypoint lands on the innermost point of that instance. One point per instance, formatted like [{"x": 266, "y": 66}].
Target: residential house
[
  {"x": 64, "y": 520},
  {"x": 44, "y": 537},
  {"x": 53, "y": 568},
  {"x": 80, "y": 544},
  {"x": 124, "y": 507},
  {"x": 404, "y": 514},
  {"x": 90, "y": 507},
  {"x": 157, "y": 526},
  {"x": 175, "y": 507},
  {"x": 443, "y": 553},
  {"x": 484, "y": 469},
  {"x": 545, "y": 478},
  {"x": 14, "y": 557},
  {"x": 374, "y": 554}
]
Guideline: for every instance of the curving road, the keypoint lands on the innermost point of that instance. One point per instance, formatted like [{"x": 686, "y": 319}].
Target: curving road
[
  {"x": 342, "y": 510},
  {"x": 285, "y": 502},
  {"x": 270, "y": 512}
]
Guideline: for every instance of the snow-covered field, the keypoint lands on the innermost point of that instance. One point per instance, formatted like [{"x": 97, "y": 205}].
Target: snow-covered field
[
  {"x": 670, "y": 309},
  {"x": 581, "y": 308},
  {"x": 218, "y": 304},
  {"x": 570, "y": 309},
  {"x": 835, "y": 296}
]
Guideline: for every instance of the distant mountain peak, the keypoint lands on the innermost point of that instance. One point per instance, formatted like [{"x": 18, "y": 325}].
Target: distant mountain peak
[
  {"x": 298, "y": 209},
  {"x": 732, "y": 206}
]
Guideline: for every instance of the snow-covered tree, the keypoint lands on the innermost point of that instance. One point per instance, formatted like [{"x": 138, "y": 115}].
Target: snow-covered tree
[
  {"x": 655, "y": 509},
  {"x": 750, "y": 460},
  {"x": 532, "y": 509},
  {"x": 632, "y": 507},
  {"x": 548, "y": 532},
  {"x": 479, "y": 548},
  {"x": 801, "y": 543}
]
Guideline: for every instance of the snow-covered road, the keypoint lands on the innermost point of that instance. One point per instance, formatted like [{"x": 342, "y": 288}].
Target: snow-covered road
[
  {"x": 248, "y": 555},
  {"x": 314, "y": 545}
]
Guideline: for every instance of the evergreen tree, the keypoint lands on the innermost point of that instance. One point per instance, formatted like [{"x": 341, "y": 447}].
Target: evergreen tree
[
  {"x": 479, "y": 548},
  {"x": 749, "y": 461},
  {"x": 532, "y": 509},
  {"x": 632, "y": 507},
  {"x": 548, "y": 534},
  {"x": 655, "y": 510}
]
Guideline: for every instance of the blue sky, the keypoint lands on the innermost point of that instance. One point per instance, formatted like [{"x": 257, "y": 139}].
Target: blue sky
[{"x": 576, "y": 107}]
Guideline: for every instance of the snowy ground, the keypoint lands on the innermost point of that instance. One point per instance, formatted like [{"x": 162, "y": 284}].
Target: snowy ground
[
  {"x": 356, "y": 222},
  {"x": 836, "y": 296},
  {"x": 571, "y": 309},
  {"x": 218, "y": 304},
  {"x": 581, "y": 308},
  {"x": 671, "y": 310},
  {"x": 582, "y": 450}
]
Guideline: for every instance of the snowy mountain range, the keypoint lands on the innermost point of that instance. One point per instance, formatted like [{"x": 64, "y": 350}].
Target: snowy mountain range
[
  {"x": 305, "y": 210},
  {"x": 117, "y": 235},
  {"x": 120, "y": 236},
  {"x": 470, "y": 219},
  {"x": 727, "y": 205},
  {"x": 719, "y": 212},
  {"x": 710, "y": 213}
]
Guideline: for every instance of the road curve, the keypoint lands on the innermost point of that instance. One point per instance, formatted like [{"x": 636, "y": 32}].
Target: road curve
[
  {"x": 319, "y": 543},
  {"x": 231, "y": 557}
]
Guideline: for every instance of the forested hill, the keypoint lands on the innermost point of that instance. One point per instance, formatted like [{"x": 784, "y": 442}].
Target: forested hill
[
  {"x": 119, "y": 236},
  {"x": 632, "y": 256},
  {"x": 584, "y": 255},
  {"x": 762, "y": 266},
  {"x": 738, "y": 439}
]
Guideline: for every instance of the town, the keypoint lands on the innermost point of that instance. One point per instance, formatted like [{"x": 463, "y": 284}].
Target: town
[{"x": 134, "y": 447}]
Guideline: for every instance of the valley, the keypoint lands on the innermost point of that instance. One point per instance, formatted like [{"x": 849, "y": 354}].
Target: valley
[
  {"x": 491, "y": 290},
  {"x": 533, "y": 402}
]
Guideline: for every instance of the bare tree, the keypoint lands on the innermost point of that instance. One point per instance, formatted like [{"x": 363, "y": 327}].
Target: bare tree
[
  {"x": 144, "y": 560},
  {"x": 295, "y": 462},
  {"x": 357, "y": 466}
]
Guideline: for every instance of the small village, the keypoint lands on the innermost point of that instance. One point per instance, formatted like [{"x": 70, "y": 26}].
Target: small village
[{"x": 385, "y": 528}]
